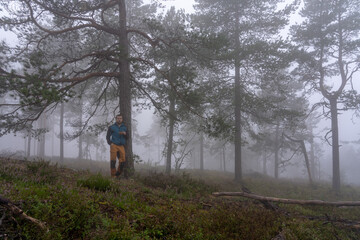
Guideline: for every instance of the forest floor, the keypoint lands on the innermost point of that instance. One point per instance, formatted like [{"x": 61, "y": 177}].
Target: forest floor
[{"x": 78, "y": 204}]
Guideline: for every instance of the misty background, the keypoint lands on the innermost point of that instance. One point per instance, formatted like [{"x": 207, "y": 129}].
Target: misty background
[{"x": 150, "y": 137}]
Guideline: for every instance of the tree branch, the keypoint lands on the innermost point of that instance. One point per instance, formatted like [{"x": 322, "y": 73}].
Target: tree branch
[
  {"x": 17, "y": 211},
  {"x": 287, "y": 201}
]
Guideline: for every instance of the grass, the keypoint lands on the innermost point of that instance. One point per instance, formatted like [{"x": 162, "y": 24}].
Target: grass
[{"x": 90, "y": 205}]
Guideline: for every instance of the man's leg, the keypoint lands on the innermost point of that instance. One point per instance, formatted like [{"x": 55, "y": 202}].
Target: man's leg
[
  {"x": 121, "y": 159},
  {"x": 113, "y": 154}
]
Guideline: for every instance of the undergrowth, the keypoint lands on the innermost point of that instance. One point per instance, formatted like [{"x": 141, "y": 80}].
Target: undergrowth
[{"x": 83, "y": 205}]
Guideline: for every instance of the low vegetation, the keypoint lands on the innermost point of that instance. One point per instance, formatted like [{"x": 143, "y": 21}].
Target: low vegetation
[{"x": 77, "y": 204}]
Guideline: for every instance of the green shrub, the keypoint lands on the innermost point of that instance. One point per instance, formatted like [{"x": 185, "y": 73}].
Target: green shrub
[
  {"x": 41, "y": 172},
  {"x": 178, "y": 184},
  {"x": 96, "y": 182}
]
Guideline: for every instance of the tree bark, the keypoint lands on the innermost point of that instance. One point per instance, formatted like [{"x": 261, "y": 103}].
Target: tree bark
[
  {"x": 276, "y": 152},
  {"x": 224, "y": 157},
  {"x": 303, "y": 149},
  {"x": 335, "y": 144},
  {"x": 28, "y": 146},
  {"x": 171, "y": 134},
  {"x": 287, "y": 201},
  {"x": 264, "y": 162},
  {"x": 41, "y": 146},
  {"x": 62, "y": 132},
  {"x": 201, "y": 151},
  {"x": 312, "y": 154},
  {"x": 80, "y": 154},
  {"x": 125, "y": 87},
  {"x": 238, "y": 160}
]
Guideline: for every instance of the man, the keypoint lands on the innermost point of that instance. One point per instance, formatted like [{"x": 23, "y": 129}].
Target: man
[{"x": 116, "y": 137}]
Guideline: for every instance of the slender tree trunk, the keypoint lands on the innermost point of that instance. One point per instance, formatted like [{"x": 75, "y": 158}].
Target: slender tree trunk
[
  {"x": 124, "y": 86},
  {"x": 312, "y": 154},
  {"x": 264, "y": 162},
  {"x": 238, "y": 169},
  {"x": 34, "y": 146},
  {"x": 224, "y": 157},
  {"x": 276, "y": 152},
  {"x": 335, "y": 144},
  {"x": 41, "y": 146},
  {"x": 201, "y": 151},
  {"x": 80, "y": 154},
  {"x": 171, "y": 134},
  {"x": 52, "y": 140},
  {"x": 28, "y": 145},
  {"x": 61, "y": 132},
  {"x": 303, "y": 149},
  {"x": 25, "y": 147}
]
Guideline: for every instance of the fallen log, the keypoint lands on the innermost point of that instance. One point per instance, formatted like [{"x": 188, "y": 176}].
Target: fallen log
[
  {"x": 287, "y": 201},
  {"x": 18, "y": 212}
]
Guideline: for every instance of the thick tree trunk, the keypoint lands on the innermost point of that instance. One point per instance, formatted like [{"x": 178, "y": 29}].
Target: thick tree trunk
[
  {"x": 171, "y": 134},
  {"x": 238, "y": 169},
  {"x": 335, "y": 144},
  {"x": 125, "y": 87}
]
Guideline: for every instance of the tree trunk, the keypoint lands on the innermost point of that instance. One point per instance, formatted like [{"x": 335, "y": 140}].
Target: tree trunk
[
  {"x": 335, "y": 144},
  {"x": 303, "y": 149},
  {"x": 201, "y": 151},
  {"x": 276, "y": 152},
  {"x": 238, "y": 170},
  {"x": 304, "y": 152},
  {"x": 312, "y": 154},
  {"x": 28, "y": 146},
  {"x": 80, "y": 154},
  {"x": 61, "y": 132},
  {"x": 124, "y": 86},
  {"x": 224, "y": 157},
  {"x": 41, "y": 146},
  {"x": 171, "y": 134},
  {"x": 264, "y": 162}
]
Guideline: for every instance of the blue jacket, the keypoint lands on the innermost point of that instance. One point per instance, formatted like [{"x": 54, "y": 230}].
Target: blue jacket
[{"x": 113, "y": 136}]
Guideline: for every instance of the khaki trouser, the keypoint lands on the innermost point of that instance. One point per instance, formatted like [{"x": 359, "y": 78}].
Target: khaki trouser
[{"x": 114, "y": 150}]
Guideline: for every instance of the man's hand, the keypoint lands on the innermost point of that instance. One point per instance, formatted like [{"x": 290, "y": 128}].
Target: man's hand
[{"x": 122, "y": 133}]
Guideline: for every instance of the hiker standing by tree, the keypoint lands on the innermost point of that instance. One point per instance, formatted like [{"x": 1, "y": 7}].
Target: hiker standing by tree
[{"x": 116, "y": 137}]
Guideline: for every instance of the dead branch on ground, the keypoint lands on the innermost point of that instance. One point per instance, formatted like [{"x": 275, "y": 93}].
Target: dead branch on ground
[
  {"x": 288, "y": 201},
  {"x": 18, "y": 212}
]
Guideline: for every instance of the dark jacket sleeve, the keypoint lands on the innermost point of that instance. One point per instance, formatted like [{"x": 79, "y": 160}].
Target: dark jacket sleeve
[{"x": 108, "y": 134}]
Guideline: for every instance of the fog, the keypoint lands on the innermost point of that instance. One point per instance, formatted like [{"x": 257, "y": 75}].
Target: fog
[
  {"x": 152, "y": 155},
  {"x": 217, "y": 155}
]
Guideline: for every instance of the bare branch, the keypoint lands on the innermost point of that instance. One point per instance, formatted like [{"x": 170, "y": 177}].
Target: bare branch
[{"x": 287, "y": 201}]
